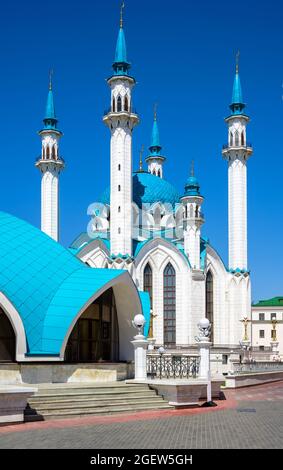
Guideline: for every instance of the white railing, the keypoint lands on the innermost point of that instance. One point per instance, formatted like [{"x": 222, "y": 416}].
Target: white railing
[
  {"x": 259, "y": 366},
  {"x": 172, "y": 366}
]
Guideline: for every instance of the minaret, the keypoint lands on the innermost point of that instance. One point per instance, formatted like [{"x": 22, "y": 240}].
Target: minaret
[
  {"x": 237, "y": 152},
  {"x": 193, "y": 219},
  {"x": 155, "y": 159},
  {"x": 121, "y": 119},
  {"x": 50, "y": 164}
]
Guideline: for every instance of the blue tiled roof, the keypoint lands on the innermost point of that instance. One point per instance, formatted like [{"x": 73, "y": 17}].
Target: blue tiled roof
[
  {"x": 145, "y": 301},
  {"x": 46, "y": 283},
  {"x": 148, "y": 189}
]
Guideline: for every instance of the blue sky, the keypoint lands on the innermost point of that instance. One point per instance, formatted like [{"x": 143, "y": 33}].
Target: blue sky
[{"x": 183, "y": 57}]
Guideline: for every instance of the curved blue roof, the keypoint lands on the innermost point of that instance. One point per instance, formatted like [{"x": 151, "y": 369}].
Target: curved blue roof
[
  {"x": 46, "y": 283},
  {"x": 147, "y": 189}
]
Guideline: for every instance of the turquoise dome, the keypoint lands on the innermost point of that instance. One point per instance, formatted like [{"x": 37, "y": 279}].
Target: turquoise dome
[
  {"x": 192, "y": 186},
  {"x": 147, "y": 189}
]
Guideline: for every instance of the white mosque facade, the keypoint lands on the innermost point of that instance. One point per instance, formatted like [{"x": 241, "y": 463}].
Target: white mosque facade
[
  {"x": 143, "y": 252},
  {"x": 141, "y": 223}
]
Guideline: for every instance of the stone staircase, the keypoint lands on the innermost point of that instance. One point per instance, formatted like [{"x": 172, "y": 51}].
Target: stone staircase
[{"x": 54, "y": 401}]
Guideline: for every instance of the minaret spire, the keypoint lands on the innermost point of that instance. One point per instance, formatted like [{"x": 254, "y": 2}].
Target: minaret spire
[
  {"x": 50, "y": 165},
  {"x": 193, "y": 219},
  {"x": 237, "y": 152},
  {"x": 155, "y": 159},
  {"x": 121, "y": 121}
]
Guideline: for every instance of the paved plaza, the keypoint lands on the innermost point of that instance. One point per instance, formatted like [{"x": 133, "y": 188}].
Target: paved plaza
[{"x": 249, "y": 418}]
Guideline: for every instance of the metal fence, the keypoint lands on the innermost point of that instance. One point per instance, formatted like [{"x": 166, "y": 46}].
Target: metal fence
[
  {"x": 258, "y": 366},
  {"x": 168, "y": 366}
]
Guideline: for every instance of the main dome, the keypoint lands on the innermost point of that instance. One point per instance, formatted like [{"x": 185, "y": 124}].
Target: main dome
[{"x": 148, "y": 189}]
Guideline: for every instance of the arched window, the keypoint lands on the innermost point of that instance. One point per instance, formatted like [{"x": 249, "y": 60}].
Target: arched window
[
  {"x": 119, "y": 231},
  {"x": 243, "y": 138},
  {"x": 126, "y": 104},
  {"x": 147, "y": 281},
  {"x": 119, "y": 209},
  {"x": 119, "y": 167},
  {"x": 159, "y": 173},
  {"x": 236, "y": 138},
  {"x": 119, "y": 104},
  {"x": 7, "y": 339},
  {"x": 113, "y": 105},
  {"x": 169, "y": 305},
  {"x": 47, "y": 151},
  {"x": 231, "y": 139},
  {"x": 119, "y": 187},
  {"x": 209, "y": 300}
]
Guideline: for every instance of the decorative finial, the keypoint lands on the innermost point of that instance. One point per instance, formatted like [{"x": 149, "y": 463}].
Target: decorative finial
[
  {"x": 237, "y": 61},
  {"x": 50, "y": 78},
  {"x": 141, "y": 154},
  {"x": 193, "y": 168},
  {"x": 121, "y": 14},
  {"x": 155, "y": 111}
]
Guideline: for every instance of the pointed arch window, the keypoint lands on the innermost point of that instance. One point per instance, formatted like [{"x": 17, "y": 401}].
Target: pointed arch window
[
  {"x": 169, "y": 305},
  {"x": 126, "y": 104},
  {"x": 119, "y": 104},
  {"x": 147, "y": 281},
  {"x": 243, "y": 138},
  {"x": 209, "y": 300},
  {"x": 231, "y": 139},
  {"x": 113, "y": 105},
  {"x": 236, "y": 138}
]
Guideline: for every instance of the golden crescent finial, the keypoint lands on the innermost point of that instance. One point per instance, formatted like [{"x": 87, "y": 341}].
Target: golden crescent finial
[
  {"x": 141, "y": 154},
  {"x": 237, "y": 61},
  {"x": 121, "y": 14},
  {"x": 155, "y": 111},
  {"x": 50, "y": 78}
]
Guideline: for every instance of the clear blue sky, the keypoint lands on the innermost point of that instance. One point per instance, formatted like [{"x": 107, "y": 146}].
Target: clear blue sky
[{"x": 183, "y": 56}]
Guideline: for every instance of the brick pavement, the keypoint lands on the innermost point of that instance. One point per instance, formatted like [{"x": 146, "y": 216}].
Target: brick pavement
[{"x": 249, "y": 418}]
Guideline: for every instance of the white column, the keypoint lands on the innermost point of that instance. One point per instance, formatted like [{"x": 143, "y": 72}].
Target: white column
[
  {"x": 121, "y": 191},
  {"x": 140, "y": 345},
  {"x": 204, "y": 351},
  {"x": 237, "y": 181},
  {"x": 192, "y": 245},
  {"x": 49, "y": 202}
]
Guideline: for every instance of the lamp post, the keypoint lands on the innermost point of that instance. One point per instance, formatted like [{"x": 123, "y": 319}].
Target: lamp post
[
  {"x": 140, "y": 344},
  {"x": 274, "y": 342},
  {"x": 151, "y": 340},
  {"x": 245, "y": 343},
  {"x": 204, "y": 345}
]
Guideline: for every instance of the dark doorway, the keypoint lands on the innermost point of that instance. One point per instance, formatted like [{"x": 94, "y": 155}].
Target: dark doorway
[
  {"x": 7, "y": 339},
  {"x": 95, "y": 336}
]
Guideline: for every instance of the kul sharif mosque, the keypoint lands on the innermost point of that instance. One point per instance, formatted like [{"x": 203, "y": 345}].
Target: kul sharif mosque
[{"x": 143, "y": 252}]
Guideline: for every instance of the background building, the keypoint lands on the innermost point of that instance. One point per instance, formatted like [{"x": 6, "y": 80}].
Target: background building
[{"x": 262, "y": 328}]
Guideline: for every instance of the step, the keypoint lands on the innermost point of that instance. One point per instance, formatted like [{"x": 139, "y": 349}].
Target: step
[
  {"x": 91, "y": 404},
  {"x": 56, "y": 414},
  {"x": 75, "y": 399},
  {"x": 60, "y": 388},
  {"x": 89, "y": 390}
]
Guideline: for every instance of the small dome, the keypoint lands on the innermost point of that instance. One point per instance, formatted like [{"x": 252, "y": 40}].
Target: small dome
[
  {"x": 148, "y": 189},
  {"x": 192, "y": 186}
]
